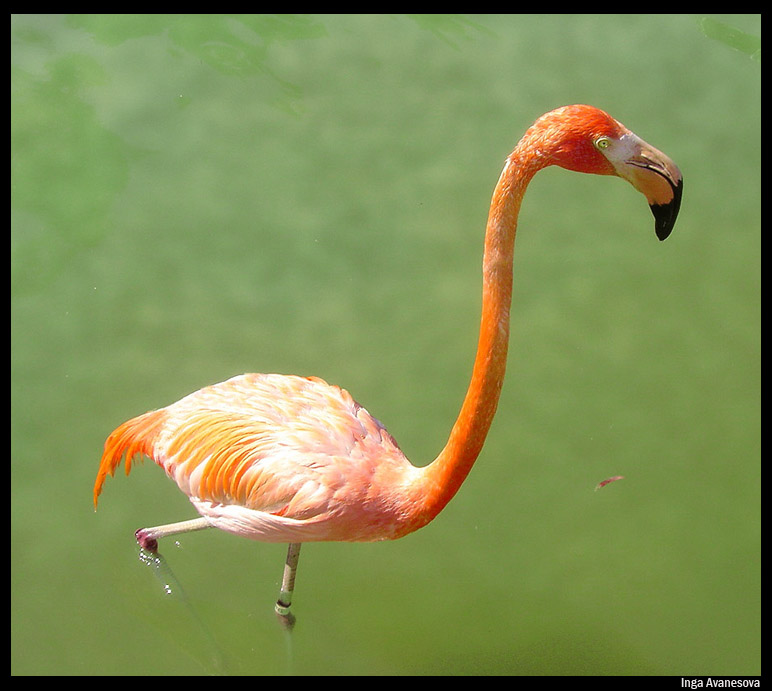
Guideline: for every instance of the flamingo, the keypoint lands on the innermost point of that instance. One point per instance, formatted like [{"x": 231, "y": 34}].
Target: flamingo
[{"x": 293, "y": 459}]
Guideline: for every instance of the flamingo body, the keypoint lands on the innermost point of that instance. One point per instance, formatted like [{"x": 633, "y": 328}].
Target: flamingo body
[{"x": 277, "y": 458}]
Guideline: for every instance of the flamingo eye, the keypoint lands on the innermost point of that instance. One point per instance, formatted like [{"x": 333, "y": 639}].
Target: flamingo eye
[{"x": 602, "y": 143}]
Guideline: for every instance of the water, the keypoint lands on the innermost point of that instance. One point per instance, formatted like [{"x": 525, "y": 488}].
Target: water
[{"x": 197, "y": 197}]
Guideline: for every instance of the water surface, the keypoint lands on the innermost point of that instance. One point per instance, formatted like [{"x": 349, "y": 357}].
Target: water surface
[{"x": 194, "y": 197}]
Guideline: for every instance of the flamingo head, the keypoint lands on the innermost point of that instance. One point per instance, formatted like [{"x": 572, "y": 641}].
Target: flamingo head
[{"x": 588, "y": 140}]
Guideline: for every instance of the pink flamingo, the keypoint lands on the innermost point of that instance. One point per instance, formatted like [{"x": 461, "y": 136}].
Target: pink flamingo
[{"x": 293, "y": 459}]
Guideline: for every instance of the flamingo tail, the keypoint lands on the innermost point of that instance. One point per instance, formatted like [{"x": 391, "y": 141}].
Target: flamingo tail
[{"x": 132, "y": 438}]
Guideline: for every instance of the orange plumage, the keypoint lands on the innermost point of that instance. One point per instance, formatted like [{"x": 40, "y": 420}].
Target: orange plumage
[
  {"x": 302, "y": 454},
  {"x": 293, "y": 459}
]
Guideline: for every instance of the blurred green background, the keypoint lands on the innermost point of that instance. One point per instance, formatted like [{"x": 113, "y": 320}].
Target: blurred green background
[{"x": 194, "y": 197}]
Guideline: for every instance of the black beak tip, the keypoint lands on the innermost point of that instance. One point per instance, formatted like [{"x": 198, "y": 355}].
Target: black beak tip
[
  {"x": 665, "y": 214},
  {"x": 662, "y": 230}
]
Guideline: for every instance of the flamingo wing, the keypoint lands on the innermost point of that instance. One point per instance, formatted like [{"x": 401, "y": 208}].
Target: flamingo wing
[{"x": 293, "y": 447}]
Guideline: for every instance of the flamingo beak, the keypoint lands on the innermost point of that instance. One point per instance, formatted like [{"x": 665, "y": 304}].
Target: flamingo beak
[{"x": 654, "y": 175}]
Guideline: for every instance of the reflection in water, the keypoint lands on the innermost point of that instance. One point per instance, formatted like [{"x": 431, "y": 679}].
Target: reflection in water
[
  {"x": 449, "y": 28},
  {"x": 732, "y": 36},
  {"x": 282, "y": 608},
  {"x": 236, "y": 45},
  {"x": 172, "y": 588},
  {"x": 59, "y": 150},
  {"x": 67, "y": 167}
]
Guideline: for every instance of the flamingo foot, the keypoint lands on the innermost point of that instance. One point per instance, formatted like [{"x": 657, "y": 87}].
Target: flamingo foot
[{"x": 146, "y": 540}]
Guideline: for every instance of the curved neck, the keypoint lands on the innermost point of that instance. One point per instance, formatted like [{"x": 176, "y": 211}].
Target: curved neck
[{"x": 444, "y": 476}]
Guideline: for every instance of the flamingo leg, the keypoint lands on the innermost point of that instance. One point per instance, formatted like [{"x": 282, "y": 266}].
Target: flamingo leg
[
  {"x": 148, "y": 537},
  {"x": 288, "y": 581}
]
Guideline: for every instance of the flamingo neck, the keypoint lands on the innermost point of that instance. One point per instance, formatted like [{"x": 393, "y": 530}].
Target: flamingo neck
[{"x": 443, "y": 477}]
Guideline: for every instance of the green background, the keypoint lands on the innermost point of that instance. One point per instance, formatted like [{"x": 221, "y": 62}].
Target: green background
[{"x": 194, "y": 197}]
